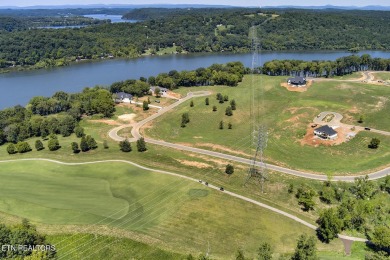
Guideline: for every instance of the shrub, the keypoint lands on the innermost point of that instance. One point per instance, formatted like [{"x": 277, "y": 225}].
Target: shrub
[
  {"x": 105, "y": 144},
  {"x": 39, "y": 145},
  {"x": 75, "y": 147},
  {"x": 214, "y": 108},
  {"x": 229, "y": 169},
  {"x": 11, "y": 149},
  {"x": 53, "y": 144},
  {"x": 374, "y": 144},
  {"x": 23, "y": 147},
  {"x": 79, "y": 131},
  {"x": 229, "y": 111}
]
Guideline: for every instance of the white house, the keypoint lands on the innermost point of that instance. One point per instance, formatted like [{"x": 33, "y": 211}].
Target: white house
[
  {"x": 325, "y": 132},
  {"x": 122, "y": 97}
]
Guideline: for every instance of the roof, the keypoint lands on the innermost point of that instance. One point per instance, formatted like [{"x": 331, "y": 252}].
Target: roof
[
  {"x": 123, "y": 95},
  {"x": 297, "y": 80},
  {"x": 161, "y": 88},
  {"x": 326, "y": 130}
]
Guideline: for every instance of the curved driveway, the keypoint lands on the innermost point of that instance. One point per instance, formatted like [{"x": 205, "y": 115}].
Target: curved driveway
[
  {"x": 278, "y": 211},
  {"x": 113, "y": 133}
]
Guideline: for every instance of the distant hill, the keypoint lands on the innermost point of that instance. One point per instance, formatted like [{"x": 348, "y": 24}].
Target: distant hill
[
  {"x": 127, "y": 6},
  {"x": 365, "y": 8}
]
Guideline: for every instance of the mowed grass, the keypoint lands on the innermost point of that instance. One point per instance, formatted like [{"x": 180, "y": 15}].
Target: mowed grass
[
  {"x": 287, "y": 116},
  {"x": 111, "y": 248},
  {"x": 176, "y": 214}
]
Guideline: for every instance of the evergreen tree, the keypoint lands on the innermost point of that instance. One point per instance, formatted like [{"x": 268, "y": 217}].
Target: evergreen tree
[
  {"x": 83, "y": 144},
  {"x": 221, "y": 125},
  {"x": 75, "y": 147},
  {"x": 225, "y": 98},
  {"x": 233, "y": 104},
  {"x": 229, "y": 111},
  {"x": 214, "y": 108},
  {"x": 125, "y": 146},
  {"x": 207, "y": 101},
  {"x": 191, "y": 103},
  {"x": 145, "y": 105},
  {"x": 39, "y": 145},
  {"x": 230, "y": 126},
  {"x": 91, "y": 142},
  {"x": 141, "y": 145}
]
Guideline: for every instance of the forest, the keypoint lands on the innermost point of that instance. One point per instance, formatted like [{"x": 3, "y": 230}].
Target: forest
[
  {"x": 340, "y": 67},
  {"x": 197, "y": 30}
]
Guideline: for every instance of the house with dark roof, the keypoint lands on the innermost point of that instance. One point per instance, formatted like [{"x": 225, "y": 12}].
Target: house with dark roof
[
  {"x": 297, "y": 81},
  {"x": 122, "y": 97},
  {"x": 325, "y": 132}
]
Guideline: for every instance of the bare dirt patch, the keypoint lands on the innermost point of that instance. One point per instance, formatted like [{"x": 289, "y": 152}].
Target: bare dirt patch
[
  {"x": 309, "y": 83},
  {"x": 105, "y": 121},
  {"x": 311, "y": 139},
  {"x": 173, "y": 95},
  {"x": 194, "y": 164},
  {"x": 220, "y": 147},
  {"x": 128, "y": 118}
]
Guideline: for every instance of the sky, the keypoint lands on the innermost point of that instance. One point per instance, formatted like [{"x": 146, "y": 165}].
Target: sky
[{"x": 214, "y": 2}]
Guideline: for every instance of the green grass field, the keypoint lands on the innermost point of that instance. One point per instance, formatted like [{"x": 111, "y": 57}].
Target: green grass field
[
  {"x": 382, "y": 76},
  {"x": 287, "y": 115},
  {"x": 173, "y": 214}
]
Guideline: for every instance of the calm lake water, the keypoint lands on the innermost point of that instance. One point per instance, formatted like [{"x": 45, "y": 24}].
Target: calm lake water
[
  {"x": 20, "y": 87},
  {"x": 113, "y": 18}
]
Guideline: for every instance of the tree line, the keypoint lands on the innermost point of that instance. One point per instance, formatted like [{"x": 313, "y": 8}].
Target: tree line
[
  {"x": 198, "y": 30},
  {"x": 339, "y": 67},
  {"x": 58, "y": 114},
  {"x": 229, "y": 74}
]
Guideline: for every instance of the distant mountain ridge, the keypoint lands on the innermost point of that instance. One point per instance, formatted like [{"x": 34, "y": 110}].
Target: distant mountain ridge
[
  {"x": 363, "y": 8},
  {"x": 134, "y": 6}
]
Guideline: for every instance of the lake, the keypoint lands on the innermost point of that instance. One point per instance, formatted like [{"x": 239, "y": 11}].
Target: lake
[
  {"x": 113, "y": 18},
  {"x": 20, "y": 87}
]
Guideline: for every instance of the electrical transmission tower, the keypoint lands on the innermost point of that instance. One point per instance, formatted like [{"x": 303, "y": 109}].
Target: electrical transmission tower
[{"x": 258, "y": 169}]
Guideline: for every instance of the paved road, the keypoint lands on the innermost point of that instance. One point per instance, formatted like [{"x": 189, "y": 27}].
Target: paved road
[
  {"x": 278, "y": 211},
  {"x": 113, "y": 133}
]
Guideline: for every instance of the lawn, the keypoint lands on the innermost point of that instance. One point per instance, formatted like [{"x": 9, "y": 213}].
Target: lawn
[
  {"x": 286, "y": 115},
  {"x": 168, "y": 212}
]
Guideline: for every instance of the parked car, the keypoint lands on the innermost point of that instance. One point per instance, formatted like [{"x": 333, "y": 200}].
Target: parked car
[
  {"x": 157, "y": 101},
  {"x": 206, "y": 183},
  {"x": 221, "y": 189},
  {"x": 367, "y": 128},
  {"x": 200, "y": 181}
]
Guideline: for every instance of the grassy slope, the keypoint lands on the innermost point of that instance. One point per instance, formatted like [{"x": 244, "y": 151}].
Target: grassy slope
[
  {"x": 382, "y": 76},
  {"x": 118, "y": 249},
  {"x": 286, "y": 115},
  {"x": 176, "y": 214}
]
